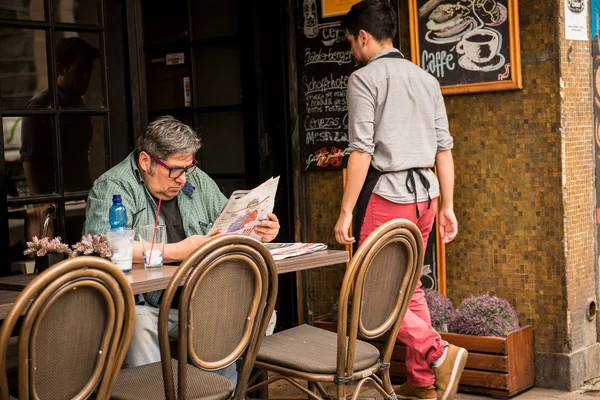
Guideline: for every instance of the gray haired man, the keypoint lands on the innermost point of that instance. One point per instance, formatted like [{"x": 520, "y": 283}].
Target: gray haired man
[{"x": 163, "y": 168}]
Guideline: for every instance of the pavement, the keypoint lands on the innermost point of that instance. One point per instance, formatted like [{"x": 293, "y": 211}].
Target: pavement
[{"x": 284, "y": 391}]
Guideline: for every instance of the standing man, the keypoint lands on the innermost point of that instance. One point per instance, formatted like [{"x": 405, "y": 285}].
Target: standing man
[{"x": 398, "y": 129}]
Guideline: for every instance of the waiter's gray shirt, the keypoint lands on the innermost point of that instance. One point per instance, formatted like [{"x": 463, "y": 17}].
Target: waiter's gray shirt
[{"x": 397, "y": 115}]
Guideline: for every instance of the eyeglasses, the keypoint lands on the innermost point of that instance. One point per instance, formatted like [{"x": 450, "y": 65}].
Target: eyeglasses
[{"x": 176, "y": 172}]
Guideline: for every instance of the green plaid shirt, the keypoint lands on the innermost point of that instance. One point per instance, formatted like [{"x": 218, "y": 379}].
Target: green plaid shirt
[{"x": 200, "y": 203}]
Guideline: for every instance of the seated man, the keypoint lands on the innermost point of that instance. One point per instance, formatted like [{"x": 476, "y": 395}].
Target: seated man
[{"x": 163, "y": 168}]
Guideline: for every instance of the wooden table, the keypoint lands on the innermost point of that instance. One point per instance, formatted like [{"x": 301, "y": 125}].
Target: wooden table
[
  {"x": 7, "y": 298},
  {"x": 146, "y": 280}
]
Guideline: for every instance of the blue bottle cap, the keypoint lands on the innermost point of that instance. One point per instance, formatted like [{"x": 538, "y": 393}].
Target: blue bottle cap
[{"x": 116, "y": 198}]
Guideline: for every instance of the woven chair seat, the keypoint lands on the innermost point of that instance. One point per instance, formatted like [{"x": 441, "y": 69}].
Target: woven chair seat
[
  {"x": 309, "y": 349},
  {"x": 146, "y": 382}
]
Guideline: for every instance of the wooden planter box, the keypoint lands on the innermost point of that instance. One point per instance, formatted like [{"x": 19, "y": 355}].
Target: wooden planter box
[{"x": 497, "y": 366}]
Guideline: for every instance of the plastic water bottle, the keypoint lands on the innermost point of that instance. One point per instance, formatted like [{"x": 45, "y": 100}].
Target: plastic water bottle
[{"x": 117, "y": 216}]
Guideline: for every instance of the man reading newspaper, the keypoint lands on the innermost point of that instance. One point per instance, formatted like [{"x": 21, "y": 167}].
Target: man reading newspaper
[{"x": 163, "y": 168}]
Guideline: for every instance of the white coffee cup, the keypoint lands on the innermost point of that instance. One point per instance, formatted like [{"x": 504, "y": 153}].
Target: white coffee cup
[{"x": 479, "y": 45}]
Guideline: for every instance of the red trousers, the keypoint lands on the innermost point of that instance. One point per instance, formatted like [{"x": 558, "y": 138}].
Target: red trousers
[{"x": 423, "y": 344}]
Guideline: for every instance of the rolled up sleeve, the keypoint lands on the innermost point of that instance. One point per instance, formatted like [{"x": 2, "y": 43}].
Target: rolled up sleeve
[
  {"x": 361, "y": 115},
  {"x": 444, "y": 139}
]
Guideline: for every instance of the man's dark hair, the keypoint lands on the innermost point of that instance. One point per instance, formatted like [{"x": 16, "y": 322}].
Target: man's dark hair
[
  {"x": 69, "y": 50},
  {"x": 374, "y": 16}
]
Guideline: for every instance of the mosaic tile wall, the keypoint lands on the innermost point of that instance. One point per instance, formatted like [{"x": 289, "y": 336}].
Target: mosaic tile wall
[
  {"x": 579, "y": 195},
  {"x": 323, "y": 197},
  {"x": 508, "y": 187},
  {"x": 517, "y": 237}
]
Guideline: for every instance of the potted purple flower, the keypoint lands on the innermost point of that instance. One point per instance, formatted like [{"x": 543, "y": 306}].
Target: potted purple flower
[
  {"x": 440, "y": 309},
  {"x": 501, "y": 354},
  {"x": 47, "y": 252},
  {"x": 485, "y": 315}
]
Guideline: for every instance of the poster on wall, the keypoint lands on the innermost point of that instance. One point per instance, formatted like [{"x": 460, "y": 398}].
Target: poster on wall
[
  {"x": 324, "y": 65},
  {"x": 468, "y": 45},
  {"x": 575, "y": 20}
]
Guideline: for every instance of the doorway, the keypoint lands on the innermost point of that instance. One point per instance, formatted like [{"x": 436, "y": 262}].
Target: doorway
[{"x": 221, "y": 67}]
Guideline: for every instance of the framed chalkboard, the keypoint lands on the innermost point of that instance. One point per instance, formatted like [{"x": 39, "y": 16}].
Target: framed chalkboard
[
  {"x": 468, "y": 45},
  {"x": 324, "y": 64}
]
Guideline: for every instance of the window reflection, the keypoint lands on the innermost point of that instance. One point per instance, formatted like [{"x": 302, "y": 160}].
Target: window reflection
[
  {"x": 79, "y": 77},
  {"x": 78, "y": 12},
  {"x": 74, "y": 219},
  {"x": 29, "y": 157},
  {"x": 25, "y": 222},
  {"x": 23, "y": 67},
  {"x": 22, "y": 9},
  {"x": 83, "y": 153}
]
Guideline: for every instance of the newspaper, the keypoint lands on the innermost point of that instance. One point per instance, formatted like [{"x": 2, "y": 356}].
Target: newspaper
[
  {"x": 279, "y": 251},
  {"x": 245, "y": 209}
]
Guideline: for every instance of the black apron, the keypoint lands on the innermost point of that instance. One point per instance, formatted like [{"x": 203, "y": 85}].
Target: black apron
[{"x": 372, "y": 178}]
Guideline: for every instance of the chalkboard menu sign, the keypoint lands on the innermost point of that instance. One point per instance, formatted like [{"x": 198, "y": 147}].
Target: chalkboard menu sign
[
  {"x": 468, "y": 45},
  {"x": 324, "y": 66}
]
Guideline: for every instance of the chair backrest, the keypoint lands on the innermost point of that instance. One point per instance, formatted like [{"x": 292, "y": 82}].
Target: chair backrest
[
  {"x": 382, "y": 277},
  {"x": 224, "y": 308},
  {"x": 76, "y": 328}
]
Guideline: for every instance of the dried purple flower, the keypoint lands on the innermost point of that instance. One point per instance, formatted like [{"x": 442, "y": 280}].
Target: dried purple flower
[
  {"x": 440, "y": 309},
  {"x": 43, "y": 246},
  {"x": 484, "y": 315},
  {"x": 92, "y": 245}
]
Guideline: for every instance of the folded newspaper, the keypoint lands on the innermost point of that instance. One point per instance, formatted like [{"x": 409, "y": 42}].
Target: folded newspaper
[
  {"x": 279, "y": 251},
  {"x": 245, "y": 209}
]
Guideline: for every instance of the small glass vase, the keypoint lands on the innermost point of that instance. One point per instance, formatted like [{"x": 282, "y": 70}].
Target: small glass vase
[{"x": 45, "y": 262}]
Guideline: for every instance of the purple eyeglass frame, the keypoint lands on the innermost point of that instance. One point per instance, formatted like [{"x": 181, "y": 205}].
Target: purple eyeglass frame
[{"x": 168, "y": 167}]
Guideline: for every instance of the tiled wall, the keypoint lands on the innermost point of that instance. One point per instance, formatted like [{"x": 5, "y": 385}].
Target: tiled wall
[
  {"x": 578, "y": 186},
  {"x": 323, "y": 197},
  {"x": 522, "y": 235},
  {"x": 509, "y": 200}
]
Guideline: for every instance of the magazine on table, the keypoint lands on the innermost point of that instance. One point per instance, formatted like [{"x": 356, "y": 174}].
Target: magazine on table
[
  {"x": 245, "y": 209},
  {"x": 279, "y": 251}
]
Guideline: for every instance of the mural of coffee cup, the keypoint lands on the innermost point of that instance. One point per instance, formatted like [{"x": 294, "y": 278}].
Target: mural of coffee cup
[{"x": 479, "y": 45}]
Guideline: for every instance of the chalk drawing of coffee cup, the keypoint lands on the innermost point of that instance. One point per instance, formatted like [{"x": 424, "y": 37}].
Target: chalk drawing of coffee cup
[{"x": 479, "y": 46}]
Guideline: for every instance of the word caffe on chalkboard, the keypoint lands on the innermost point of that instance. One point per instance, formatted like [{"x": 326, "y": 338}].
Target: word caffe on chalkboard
[
  {"x": 468, "y": 45},
  {"x": 324, "y": 65}
]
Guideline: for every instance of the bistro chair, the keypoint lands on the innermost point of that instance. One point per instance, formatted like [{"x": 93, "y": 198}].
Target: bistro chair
[
  {"x": 77, "y": 321},
  {"x": 224, "y": 308},
  {"x": 381, "y": 277}
]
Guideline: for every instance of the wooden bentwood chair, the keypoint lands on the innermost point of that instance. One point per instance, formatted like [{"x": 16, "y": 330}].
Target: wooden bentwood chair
[
  {"x": 382, "y": 277},
  {"x": 77, "y": 326},
  {"x": 224, "y": 309}
]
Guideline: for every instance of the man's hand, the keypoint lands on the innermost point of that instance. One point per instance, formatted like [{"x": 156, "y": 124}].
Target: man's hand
[
  {"x": 191, "y": 243},
  {"x": 341, "y": 228},
  {"x": 268, "y": 228},
  {"x": 448, "y": 225}
]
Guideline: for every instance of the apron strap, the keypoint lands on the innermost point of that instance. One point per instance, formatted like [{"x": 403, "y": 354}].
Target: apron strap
[
  {"x": 363, "y": 200},
  {"x": 410, "y": 186}
]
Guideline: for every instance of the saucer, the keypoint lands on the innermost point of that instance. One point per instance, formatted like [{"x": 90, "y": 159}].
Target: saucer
[
  {"x": 431, "y": 38},
  {"x": 495, "y": 63}
]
